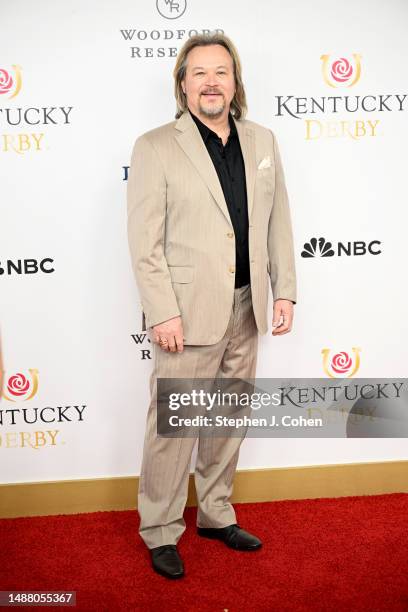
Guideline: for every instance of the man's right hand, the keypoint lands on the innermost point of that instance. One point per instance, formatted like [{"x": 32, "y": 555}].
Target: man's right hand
[{"x": 169, "y": 335}]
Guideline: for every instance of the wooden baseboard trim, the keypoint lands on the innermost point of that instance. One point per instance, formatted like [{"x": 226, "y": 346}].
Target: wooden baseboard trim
[{"x": 255, "y": 485}]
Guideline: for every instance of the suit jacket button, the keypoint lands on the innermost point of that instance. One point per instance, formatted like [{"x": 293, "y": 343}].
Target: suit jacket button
[
  {"x": 231, "y": 269},
  {"x": 230, "y": 234}
]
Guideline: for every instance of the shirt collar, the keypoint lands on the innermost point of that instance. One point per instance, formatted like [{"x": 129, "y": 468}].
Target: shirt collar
[{"x": 207, "y": 132}]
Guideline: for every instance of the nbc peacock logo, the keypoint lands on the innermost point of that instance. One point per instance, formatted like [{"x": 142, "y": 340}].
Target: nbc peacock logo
[
  {"x": 341, "y": 71},
  {"x": 10, "y": 81},
  {"x": 317, "y": 247},
  {"x": 20, "y": 387},
  {"x": 342, "y": 364},
  {"x": 320, "y": 247}
]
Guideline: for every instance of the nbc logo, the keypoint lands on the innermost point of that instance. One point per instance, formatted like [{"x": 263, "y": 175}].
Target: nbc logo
[
  {"x": 320, "y": 247},
  {"x": 317, "y": 248}
]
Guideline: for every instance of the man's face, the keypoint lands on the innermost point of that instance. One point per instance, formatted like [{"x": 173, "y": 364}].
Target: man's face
[{"x": 209, "y": 82}]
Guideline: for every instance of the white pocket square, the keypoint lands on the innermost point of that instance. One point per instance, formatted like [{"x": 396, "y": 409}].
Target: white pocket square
[{"x": 265, "y": 163}]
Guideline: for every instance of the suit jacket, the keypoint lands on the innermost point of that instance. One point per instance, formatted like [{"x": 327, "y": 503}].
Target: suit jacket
[{"x": 181, "y": 238}]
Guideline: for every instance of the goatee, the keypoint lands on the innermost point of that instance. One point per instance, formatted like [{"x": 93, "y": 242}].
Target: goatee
[{"x": 212, "y": 111}]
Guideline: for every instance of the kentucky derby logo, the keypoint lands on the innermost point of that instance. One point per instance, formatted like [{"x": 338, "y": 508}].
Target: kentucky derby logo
[
  {"x": 171, "y": 9},
  {"x": 317, "y": 248},
  {"x": 10, "y": 81},
  {"x": 341, "y": 365},
  {"x": 20, "y": 388},
  {"x": 341, "y": 72}
]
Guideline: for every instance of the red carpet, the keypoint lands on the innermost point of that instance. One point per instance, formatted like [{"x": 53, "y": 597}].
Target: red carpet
[{"x": 326, "y": 554}]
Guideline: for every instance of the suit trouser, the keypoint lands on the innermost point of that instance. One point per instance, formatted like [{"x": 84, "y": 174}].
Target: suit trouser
[{"x": 163, "y": 484}]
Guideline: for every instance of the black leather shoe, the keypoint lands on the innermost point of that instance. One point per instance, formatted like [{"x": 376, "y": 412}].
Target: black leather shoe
[
  {"x": 166, "y": 561},
  {"x": 233, "y": 536}
]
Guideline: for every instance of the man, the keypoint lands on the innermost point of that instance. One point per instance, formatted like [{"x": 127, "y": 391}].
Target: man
[{"x": 209, "y": 227}]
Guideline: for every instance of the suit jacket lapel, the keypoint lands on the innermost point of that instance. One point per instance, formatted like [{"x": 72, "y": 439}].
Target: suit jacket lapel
[
  {"x": 246, "y": 137},
  {"x": 191, "y": 142}
]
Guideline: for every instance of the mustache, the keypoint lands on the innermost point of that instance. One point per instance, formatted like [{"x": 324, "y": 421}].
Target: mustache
[{"x": 211, "y": 92}]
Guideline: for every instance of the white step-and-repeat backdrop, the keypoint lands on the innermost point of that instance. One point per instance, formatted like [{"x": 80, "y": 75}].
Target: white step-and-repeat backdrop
[{"x": 79, "y": 81}]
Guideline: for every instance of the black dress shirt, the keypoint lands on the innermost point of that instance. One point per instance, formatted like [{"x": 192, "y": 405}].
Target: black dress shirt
[{"x": 229, "y": 164}]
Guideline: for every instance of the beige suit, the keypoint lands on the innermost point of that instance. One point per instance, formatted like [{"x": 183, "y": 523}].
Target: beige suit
[
  {"x": 181, "y": 237},
  {"x": 183, "y": 255}
]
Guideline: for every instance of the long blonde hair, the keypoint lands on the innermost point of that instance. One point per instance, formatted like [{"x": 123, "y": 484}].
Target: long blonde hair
[{"x": 238, "y": 104}]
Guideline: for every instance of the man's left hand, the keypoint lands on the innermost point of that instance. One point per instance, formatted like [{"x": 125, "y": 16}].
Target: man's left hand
[{"x": 282, "y": 317}]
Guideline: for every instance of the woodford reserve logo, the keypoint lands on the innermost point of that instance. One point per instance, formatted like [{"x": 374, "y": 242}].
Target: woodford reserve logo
[
  {"x": 22, "y": 387},
  {"x": 161, "y": 42},
  {"x": 353, "y": 113},
  {"x": 21, "y": 142}
]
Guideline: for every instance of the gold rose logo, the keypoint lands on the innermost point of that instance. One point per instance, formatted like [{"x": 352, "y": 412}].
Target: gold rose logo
[
  {"x": 341, "y": 365},
  {"x": 341, "y": 72},
  {"x": 10, "y": 83},
  {"x": 19, "y": 387}
]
